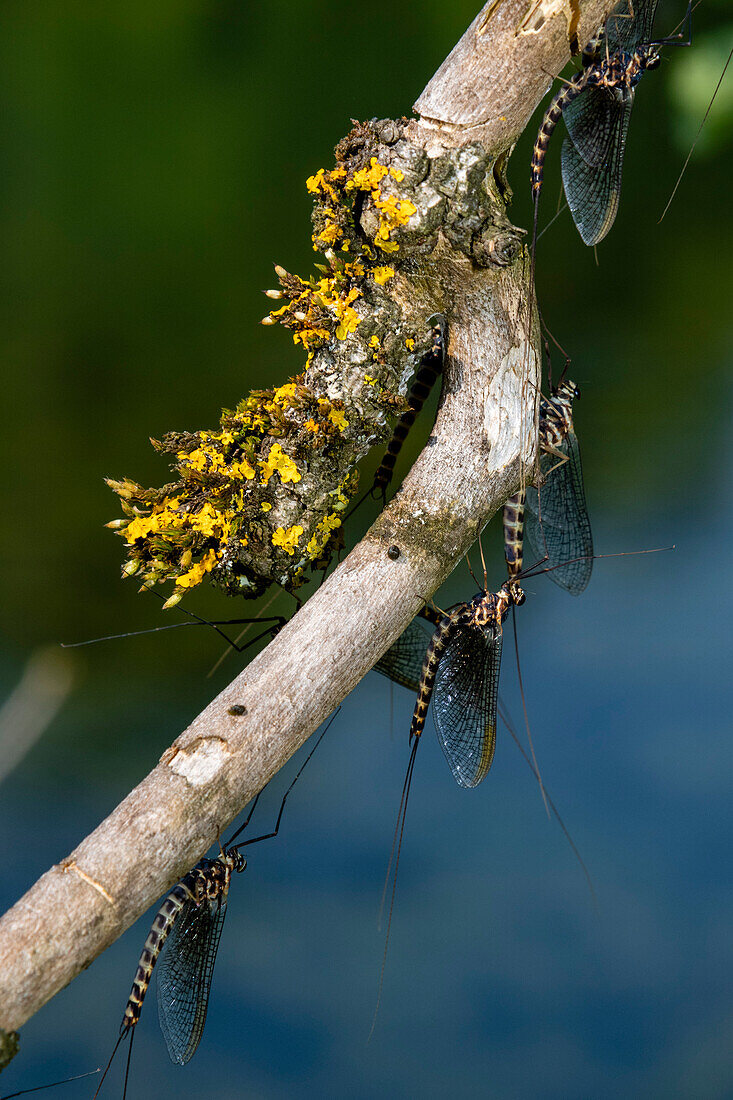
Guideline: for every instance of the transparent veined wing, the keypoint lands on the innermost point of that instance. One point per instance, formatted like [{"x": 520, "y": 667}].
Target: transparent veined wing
[
  {"x": 403, "y": 661},
  {"x": 593, "y": 191},
  {"x": 556, "y": 520},
  {"x": 591, "y": 120},
  {"x": 464, "y": 702},
  {"x": 630, "y": 25},
  {"x": 184, "y": 972}
]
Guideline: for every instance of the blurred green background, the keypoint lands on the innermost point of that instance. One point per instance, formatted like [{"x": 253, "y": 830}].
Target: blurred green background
[{"x": 154, "y": 161}]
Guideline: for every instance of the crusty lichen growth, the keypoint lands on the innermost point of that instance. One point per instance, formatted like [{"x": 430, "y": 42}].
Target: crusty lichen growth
[
  {"x": 9, "y": 1045},
  {"x": 261, "y": 498}
]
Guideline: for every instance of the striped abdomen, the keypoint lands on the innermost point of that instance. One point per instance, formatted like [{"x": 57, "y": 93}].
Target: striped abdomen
[
  {"x": 559, "y": 102},
  {"x": 514, "y": 533},
  {"x": 192, "y": 887},
  {"x": 438, "y": 642},
  {"x": 430, "y": 367}
]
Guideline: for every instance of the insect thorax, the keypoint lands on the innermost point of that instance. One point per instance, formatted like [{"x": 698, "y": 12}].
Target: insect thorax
[
  {"x": 488, "y": 610},
  {"x": 556, "y": 414},
  {"x": 622, "y": 71},
  {"x": 213, "y": 876}
]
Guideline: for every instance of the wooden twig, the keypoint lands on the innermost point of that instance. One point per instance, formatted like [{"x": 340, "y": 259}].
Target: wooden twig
[{"x": 485, "y": 91}]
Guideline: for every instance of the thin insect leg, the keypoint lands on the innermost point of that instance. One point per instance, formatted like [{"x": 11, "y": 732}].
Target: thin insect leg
[
  {"x": 545, "y": 332},
  {"x": 268, "y": 836},
  {"x": 429, "y": 602},
  {"x": 260, "y": 617},
  {"x": 50, "y": 1085},
  {"x": 524, "y": 708},
  {"x": 674, "y": 39},
  {"x": 506, "y": 719},
  {"x": 558, "y": 77},
  {"x": 174, "y": 626},
  {"x": 247, "y": 819},
  {"x": 431, "y": 615},
  {"x": 546, "y": 329},
  {"x": 397, "y": 841},
  {"x": 121, "y": 1036},
  {"x": 214, "y": 625},
  {"x": 562, "y": 459},
  {"x": 263, "y": 634}
]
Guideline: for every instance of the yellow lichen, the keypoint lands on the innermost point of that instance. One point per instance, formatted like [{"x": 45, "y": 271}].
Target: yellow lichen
[
  {"x": 241, "y": 469},
  {"x": 197, "y": 572},
  {"x": 278, "y": 461},
  {"x": 382, "y": 274},
  {"x": 329, "y": 234},
  {"x": 338, "y": 419},
  {"x": 287, "y": 539},
  {"x": 322, "y": 534}
]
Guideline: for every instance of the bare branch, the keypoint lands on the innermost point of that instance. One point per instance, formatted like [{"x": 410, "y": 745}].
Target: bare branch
[{"x": 486, "y": 90}]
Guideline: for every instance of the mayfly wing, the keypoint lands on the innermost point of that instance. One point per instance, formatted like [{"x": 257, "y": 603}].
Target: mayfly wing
[
  {"x": 465, "y": 699},
  {"x": 591, "y": 119},
  {"x": 403, "y": 661},
  {"x": 184, "y": 976},
  {"x": 630, "y": 25},
  {"x": 563, "y": 532},
  {"x": 593, "y": 191}
]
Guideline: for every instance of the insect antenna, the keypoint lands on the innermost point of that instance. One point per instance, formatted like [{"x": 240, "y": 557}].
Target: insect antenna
[
  {"x": 506, "y": 719},
  {"x": 534, "y": 572},
  {"x": 394, "y": 856},
  {"x": 526, "y": 716},
  {"x": 50, "y": 1085},
  {"x": 697, "y": 136}
]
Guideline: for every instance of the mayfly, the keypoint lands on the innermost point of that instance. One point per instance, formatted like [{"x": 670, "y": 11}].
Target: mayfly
[
  {"x": 596, "y": 106},
  {"x": 554, "y": 518},
  {"x": 189, "y": 925},
  {"x": 431, "y": 366},
  {"x": 402, "y": 664},
  {"x": 459, "y": 673},
  {"x": 460, "y": 676}
]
